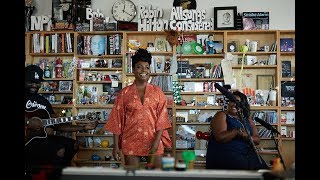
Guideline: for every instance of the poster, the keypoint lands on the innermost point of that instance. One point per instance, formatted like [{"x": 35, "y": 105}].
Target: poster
[{"x": 255, "y": 20}]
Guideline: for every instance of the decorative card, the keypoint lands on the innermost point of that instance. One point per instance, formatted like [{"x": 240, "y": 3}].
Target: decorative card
[
  {"x": 286, "y": 45},
  {"x": 185, "y": 137}
]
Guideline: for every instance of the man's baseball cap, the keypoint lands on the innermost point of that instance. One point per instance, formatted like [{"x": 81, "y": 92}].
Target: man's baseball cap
[{"x": 33, "y": 73}]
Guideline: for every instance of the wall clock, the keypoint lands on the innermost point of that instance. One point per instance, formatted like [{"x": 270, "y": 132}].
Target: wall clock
[{"x": 124, "y": 10}]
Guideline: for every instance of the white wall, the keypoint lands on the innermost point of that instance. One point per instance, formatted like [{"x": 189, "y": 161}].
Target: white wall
[{"x": 282, "y": 12}]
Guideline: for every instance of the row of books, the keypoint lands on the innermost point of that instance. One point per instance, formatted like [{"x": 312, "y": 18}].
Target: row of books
[
  {"x": 54, "y": 43},
  {"x": 268, "y": 116},
  {"x": 264, "y": 133},
  {"x": 288, "y": 117},
  {"x": 112, "y": 45},
  {"x": 164, "y": 82},
  {"x": 186, "y": 70}
]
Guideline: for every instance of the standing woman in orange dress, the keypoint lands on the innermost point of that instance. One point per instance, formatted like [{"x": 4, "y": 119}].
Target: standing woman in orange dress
[{"x": 139, "y": 118}]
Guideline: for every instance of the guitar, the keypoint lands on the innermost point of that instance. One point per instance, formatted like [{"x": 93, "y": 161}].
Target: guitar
[{"x": 37, "y": 121}]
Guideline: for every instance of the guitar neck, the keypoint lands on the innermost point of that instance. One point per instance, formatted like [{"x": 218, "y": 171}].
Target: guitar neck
[{"x": 59, "y": 120}]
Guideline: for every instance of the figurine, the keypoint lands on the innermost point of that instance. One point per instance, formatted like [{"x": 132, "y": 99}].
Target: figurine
[{"x": 210, "y": 44}]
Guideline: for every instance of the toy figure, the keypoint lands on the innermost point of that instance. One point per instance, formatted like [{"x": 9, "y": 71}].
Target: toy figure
[{"x": 210, "y": 44}]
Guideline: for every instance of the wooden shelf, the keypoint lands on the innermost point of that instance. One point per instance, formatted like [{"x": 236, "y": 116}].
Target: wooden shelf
[
  {"x": 199, "y": 107},
  {"x": 255, "y": 53},
  {"x": 165, "y": 53},
  {"x": 268, "y": 152},
  {"x": 62, "y": 105},
  {"x": 276, "y": 108},
  {"x": 199, "y": 93},
  {"x": 51, "y": 54},
  {"x": 199, "y": 79},
  {"x": 288, "y": 108},
  {"x": 151, "y": 74},
  {"x": 95, "y": 162},
  {"x": 289, "y": 125},
  {"x": 255, "y": 67},
  {"x": 102, "y": 56},
  {"x": 192, "y": 123},
  {"x": 93, "y": 135},
  {"x": 100, "y": 69},
  {"x": 191, "y": 56},
  {"x": 55, "y": 92},
  {"x": 287, "y": 53},
  {"x": 92, "y": 106},
  {"x": 95, "y": 148},
  {"x": 95, "y": 82},
  {"x": 58, "y": 79},
  {"x": 289, "y": 79}
]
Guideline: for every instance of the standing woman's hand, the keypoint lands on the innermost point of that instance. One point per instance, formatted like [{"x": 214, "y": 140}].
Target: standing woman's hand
[
  {"x": 116, "y": 153},
  {"x": 154, "y": 148}
]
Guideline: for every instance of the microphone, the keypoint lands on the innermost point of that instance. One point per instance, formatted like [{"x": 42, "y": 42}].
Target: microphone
[
  {"x": 228, "y": 94},
  {"x": 266, "y": 125}
]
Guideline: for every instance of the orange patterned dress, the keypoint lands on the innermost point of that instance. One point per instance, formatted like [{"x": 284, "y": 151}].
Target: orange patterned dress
[{"x": 138, "y": 122}]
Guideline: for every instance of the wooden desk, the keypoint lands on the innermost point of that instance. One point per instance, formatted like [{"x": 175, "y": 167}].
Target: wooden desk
[{"x": 102, "y": 173}]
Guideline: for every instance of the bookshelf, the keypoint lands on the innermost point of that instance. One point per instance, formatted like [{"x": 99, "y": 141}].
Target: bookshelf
[
  {"x": 287, "y": 106},
  {"x": 117, "y": 68}
]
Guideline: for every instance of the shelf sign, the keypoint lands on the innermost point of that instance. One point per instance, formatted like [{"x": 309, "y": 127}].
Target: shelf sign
[
  {"x": 39, "y": 22},
  {"x": 180, "y": 19}
]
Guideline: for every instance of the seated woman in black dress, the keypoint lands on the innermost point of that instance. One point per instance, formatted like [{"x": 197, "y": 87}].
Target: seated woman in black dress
[{"x": 229, "y": 146}]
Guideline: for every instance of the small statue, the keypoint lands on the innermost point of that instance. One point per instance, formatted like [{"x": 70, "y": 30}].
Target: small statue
[
  {"x": 28, "y": 12},
  {"x": 210, "y": 44}
]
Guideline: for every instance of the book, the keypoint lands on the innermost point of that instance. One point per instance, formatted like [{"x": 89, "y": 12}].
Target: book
[
  {"x": 286, "y": 44},
  {"x": 284, "y": 131},
  {"x": 286, "y": 69},
  {"x": 218, "y": 47},
  {"x": 185, "y": 137},
  {"x": 255, "y": 20},
  {"x": 183, "y": 115},
  {"x": 290, "y": 117},
  {"x": 183, "y": 66},
  {"x": 288, "y": 89},
  {"x": 98, "y": 24}
]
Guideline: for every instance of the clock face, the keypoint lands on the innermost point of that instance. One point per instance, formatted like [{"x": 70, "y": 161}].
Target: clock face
[{"x": 124, "y": 10}]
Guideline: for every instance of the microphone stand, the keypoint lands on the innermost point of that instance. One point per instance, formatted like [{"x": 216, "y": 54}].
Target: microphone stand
[
  {"x": 247, "y": 131},
  {"x": 277, "y": 147}
]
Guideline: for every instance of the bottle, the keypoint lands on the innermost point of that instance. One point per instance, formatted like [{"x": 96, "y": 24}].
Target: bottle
[
  {"x": 47, "y": 73},
  {"x": 167, "y": 162},
  {"x": 59, "y": 68}
]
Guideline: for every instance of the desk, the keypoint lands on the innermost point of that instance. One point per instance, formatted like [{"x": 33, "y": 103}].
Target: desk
[{"x": 102, "y": 173}]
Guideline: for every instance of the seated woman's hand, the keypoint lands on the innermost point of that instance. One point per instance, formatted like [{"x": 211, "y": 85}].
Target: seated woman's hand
[{"x": 242, "y": 133}]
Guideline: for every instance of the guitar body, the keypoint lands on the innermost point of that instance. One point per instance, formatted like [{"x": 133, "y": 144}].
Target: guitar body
[
  {"x": 34, "y": 126},
  {"x": 39, "y": 119}
]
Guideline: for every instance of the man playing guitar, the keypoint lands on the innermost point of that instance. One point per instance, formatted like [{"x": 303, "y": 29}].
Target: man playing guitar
[{"x": 51, "y": 149}]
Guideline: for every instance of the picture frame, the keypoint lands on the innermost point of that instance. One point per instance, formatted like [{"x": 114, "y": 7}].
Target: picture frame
[
  {"x": 185, "y": 4},
  {"x": 65, "y": 86},
  {"x": 225, "y": 18},
  {"x": 265, "y": 82},
  {"x": 233, "y": 46}
]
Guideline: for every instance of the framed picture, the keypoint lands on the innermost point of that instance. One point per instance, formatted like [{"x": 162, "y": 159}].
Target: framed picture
[
  {"x": 185, "y": 4},
  {"x": 225, "y": 17},
  {"x": 265, "y": 82},
  {"x": 65, "y": 86},
  {"x": 233, "y": 46}
]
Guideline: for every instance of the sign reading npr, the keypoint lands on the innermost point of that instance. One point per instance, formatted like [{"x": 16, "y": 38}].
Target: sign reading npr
[{"x": 41, "y": 22}]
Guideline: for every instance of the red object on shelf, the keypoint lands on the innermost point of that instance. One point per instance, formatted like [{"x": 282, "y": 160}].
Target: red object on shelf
[
  {"x": 199, "y": 134},
  {"x": 59, "y": 68},
  {"x": 205, "y": 135}
]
